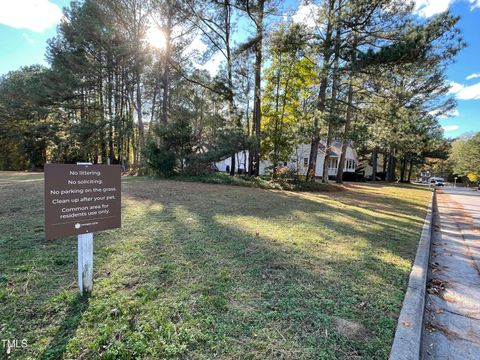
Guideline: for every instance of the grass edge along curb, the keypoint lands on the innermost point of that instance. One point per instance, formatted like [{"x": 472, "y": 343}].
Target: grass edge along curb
[{"x": 408, "y": 336}]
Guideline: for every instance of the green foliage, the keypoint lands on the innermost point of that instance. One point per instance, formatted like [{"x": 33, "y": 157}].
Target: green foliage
[
  {"x": 12, "y": 157},
  {"x": 160, "y": 160},
  {"x": 290, "y": 81},
  {"x": 27, "y": 127},
  {"x": 172, "y": 148},
  {"x": 224, "y": 179},
  {"x": 465, "y": 156},
  {"x": 107, "y": 85},
  {"x": 229, "y": 141}
]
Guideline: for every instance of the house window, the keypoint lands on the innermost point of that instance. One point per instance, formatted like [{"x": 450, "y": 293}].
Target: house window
[
  {"x": 333, "y": 163},
  {"x": 305, "y": 161}
]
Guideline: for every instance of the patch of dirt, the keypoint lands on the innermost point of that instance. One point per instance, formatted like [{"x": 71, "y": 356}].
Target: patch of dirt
[
  {"x": 130, "y": 284},
  {"x": 350, "y": 329}
]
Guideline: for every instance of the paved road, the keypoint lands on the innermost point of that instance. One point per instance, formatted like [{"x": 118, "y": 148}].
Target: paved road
[{"x": 452, "y": 311}]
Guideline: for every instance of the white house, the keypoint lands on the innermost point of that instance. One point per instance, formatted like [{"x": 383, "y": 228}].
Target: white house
[{"x": 298, "y": 161}]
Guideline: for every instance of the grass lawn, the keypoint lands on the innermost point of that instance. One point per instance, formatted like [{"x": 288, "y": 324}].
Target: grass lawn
[{"x": 202, "y": 271}]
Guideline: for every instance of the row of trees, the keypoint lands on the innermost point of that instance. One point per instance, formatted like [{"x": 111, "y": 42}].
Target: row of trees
[
  {"x": 366, "y": 71},
  {"x": 464, "y": 158}
]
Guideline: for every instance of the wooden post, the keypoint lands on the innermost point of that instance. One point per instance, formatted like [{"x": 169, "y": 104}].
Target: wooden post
[{"x": 85, "y": 258}]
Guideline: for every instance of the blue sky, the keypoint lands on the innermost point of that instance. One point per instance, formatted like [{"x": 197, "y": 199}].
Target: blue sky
[
  {"x": 465, "y": 74},
  {"x": 26, "y": 25}
]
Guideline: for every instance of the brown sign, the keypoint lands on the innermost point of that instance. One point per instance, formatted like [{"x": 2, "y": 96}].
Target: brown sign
[{"x": 81, "y": 199}]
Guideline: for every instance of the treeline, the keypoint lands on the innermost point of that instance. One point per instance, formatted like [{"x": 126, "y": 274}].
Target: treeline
[
  {"x": 464, "y": 159},
  {"x": 128, "y": 84}
]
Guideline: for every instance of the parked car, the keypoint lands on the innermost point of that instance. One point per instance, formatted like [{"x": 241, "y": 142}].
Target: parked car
[{"x": 437, "y": 181}]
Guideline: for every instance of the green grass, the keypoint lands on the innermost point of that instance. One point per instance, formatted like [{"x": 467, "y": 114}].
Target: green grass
[{"x": 202, "y": 271}]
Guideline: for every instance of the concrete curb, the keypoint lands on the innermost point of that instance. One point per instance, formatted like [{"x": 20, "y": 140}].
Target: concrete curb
[{"x": 408, "y": 336}]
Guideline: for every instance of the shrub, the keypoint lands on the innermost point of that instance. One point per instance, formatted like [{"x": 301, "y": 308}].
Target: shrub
[
  {"x": 351, "y": 176},
  {"x": 198, "y": 165},
  {"x": 160, "y": 160},
  {"x": 281, "y": 172},
  {"x": 473, "y": 178}
]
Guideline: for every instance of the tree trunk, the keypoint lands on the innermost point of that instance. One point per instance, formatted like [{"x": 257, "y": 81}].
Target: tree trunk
[
  {"x": 333, "y": 106},
  {"x": 141, "y": 130},
  {"x": 374, "y": 164},
  {"x": 391, "y": 166},
  {"x": 152, "y": 110},
  {"x": 346, "y": 132},
  {"x": 103, "y": 142},
  {"x": 257, "y": 115},
  {"x": 166, "y": 70},
  {"x": 231, "y": 104},
  {"x": 403, "y": 168},
  {"x": 232, "y": 165},
  {"x": 384, "y": 167},
  {"x": 110, "y": 117},
  {"x": 327, "y": 53},
  {"x": 410, "y": 169},
  {"x": 348, "y": 118}
]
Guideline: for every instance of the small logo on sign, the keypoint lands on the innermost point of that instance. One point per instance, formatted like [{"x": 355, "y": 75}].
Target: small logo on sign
[{"x": 77, "y": 226}]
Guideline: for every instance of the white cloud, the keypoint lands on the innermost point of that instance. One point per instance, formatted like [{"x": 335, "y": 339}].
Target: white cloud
[
  {"x": 469, "y": 92},
  {"x": 455, "y": 87},
  {"x": 462, "y": 92},
  {"x": 35, "y": 15},
  {"x": 473, "y": 76},
  {"x": 196, "y": 45},
  {"x": 427, "y": 8},
  {"x": 448, "y": 128},
  {"x": 213, "y": 64},
  {"x": 306, "y": 14},
  {"x": 28, "y": 38},
  {"x": 474, "y": 4},
  {"x": 196, "y": 49}
]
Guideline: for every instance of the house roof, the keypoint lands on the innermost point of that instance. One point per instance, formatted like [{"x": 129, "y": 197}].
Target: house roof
[{"x": 335, "y": 147}]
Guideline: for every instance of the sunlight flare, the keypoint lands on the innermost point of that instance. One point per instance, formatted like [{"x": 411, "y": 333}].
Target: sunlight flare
[{"x": 156, "y": 38}]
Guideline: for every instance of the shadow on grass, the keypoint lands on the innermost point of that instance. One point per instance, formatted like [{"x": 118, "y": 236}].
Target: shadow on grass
[
  {"x": 265, "y": 297},
  {"x": 182, "y": 265},
  {"x": 58, "y": 345}
]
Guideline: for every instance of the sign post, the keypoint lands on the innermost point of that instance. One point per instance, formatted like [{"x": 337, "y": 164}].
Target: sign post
[
  {"x": 455, "y": 182},
  {"x": 79, "y": 200},
  {"x": 85, "y": 259},
  {"x": 85, "y": 263}
]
